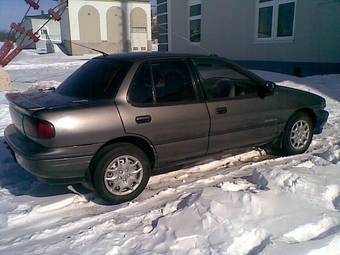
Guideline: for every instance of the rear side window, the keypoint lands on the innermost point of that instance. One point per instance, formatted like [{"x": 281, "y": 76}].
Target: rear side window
[
  {"x": 162, "y": 82},
  {"x": 220, "y": 81},
  {"x": 142, "y": 90},
  {"x": 97, "y": 79}
]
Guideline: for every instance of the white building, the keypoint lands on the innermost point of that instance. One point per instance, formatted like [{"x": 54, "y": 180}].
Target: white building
[
  {"x": 300, "y": 37},
  {"x": 49, "y": 33},
  {"x": 108, "y": 25}
]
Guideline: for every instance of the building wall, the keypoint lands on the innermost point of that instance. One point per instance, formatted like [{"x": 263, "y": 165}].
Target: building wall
[
  {"x": 106, "y": 43},
  {"x": 163, "y": 22},
  {"x": 53, "y": 28},
  {"x": 27, "y": 23},
  {"x": 228, "y": 29},
  {"x": 116, "y": 31},
  {"x": 34, "y": 24},
  {"x": 66, "y": 32}
]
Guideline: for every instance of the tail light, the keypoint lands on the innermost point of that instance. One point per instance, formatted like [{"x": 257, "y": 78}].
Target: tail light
[{"x": 38, "y": 128}]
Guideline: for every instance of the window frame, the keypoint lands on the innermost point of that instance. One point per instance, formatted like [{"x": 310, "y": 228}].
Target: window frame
[
  {"x": 275, "y": 20},
  {"x": 229, "y": 65},
  {"x": 155, "y": 104},
  {"x": 191, "y": 18}
]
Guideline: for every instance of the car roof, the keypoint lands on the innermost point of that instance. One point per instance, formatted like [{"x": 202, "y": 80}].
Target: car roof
[
  {"x": 144, "y": 56},
  {"x": 138, "y": 56}
]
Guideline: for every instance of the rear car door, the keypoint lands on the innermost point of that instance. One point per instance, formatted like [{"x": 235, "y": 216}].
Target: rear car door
[
  {"x": 239, "y": 116},
  {"x": 163, "y": 107}
]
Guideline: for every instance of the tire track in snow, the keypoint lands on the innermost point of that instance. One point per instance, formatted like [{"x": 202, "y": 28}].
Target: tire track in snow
[
  {"x": 162, "y": 190},
  {"x": 312, "y": 231},
  {"x": 156, "y": 195},
  {"x": 249, "y": 242}
]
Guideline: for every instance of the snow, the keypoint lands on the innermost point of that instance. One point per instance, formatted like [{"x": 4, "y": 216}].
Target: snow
[
  {"x": 250, "y": 203},
  {"x": 249, "y": 242},
  {"x": 311, "y": 231}
]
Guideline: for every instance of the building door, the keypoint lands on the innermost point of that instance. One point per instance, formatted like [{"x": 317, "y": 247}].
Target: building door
[
  {"x": 44, "y": 45},
  {"x": 139, "y": 39},
  {"x": 139, "y": 36}
]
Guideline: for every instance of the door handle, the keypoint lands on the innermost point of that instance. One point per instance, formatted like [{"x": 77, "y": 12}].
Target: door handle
[
  {"x": 221, "y": 110},
  {"x": 143, "y": 119}
]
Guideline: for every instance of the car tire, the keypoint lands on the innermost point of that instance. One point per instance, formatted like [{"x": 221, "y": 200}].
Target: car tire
[
  {"x": 121, "y": 173},
  {"x": 298, "y": 134}
]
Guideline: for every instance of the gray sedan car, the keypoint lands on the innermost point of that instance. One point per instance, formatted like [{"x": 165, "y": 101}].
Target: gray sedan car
[{"x": 119, "y": 118}]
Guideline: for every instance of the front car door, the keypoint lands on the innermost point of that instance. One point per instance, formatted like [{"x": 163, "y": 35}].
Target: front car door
[
  {"x": 239, "y": 116},
  {"x": 162, "y": 105}
]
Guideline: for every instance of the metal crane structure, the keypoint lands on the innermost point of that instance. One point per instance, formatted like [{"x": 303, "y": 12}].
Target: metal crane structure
[{"x": 25, "y": 37}]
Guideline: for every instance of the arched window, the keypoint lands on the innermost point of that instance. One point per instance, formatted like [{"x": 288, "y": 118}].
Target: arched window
[
  {"x": 89, "y": 24},
  {"x": 138, "y": 18},
  {"x": 115, "y": 27}
]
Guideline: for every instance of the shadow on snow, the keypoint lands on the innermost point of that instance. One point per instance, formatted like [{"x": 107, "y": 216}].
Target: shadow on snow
[{"x": 19, "y": 182}]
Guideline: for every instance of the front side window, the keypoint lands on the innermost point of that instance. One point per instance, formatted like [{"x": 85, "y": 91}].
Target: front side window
[
  {"x": 100, "y": 78},
  {"x": 275, "y": 19},
  {"x": 195, "y": 9},
  {"x": 163, "y": 82},
  {"x": 220, "y": 81}
]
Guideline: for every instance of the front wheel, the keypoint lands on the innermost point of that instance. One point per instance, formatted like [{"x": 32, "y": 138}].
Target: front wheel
[
  {"x": 298, "y": 134},
  {"x": 121, "y": 173}
]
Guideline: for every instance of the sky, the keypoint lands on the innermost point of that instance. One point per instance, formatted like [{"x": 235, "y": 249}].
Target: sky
[{"x": 13, "y": 11}]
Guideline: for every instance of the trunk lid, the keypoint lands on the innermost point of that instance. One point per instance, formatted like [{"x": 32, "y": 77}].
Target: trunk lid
[
  {"x": 30, "y": 102},
  {"x": 26, "y": 104}
]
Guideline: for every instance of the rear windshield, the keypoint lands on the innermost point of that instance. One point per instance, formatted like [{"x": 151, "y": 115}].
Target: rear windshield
[{"x": 97, "y": 79}]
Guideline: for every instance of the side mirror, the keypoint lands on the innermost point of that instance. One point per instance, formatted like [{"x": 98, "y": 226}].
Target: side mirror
[{"x": 268, "y": 89}]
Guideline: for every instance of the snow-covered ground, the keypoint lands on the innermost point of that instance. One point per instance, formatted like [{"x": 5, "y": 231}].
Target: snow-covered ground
[{"x": 247, "y": 204}]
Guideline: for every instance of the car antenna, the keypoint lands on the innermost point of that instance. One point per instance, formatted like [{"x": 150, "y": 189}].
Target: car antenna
[
  {"x": 102, "y": 52},
  {"x": 187, "y": 40}
]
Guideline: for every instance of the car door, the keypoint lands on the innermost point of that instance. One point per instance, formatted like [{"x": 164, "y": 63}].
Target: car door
[
  {"x": 239, "y": 116},
  {"x": 163, "y": 107}
]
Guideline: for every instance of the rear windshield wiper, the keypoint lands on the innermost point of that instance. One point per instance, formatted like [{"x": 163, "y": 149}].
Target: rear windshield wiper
[
  {"x": 50, "y": 89},
  {"x": 80, "y": 101}
]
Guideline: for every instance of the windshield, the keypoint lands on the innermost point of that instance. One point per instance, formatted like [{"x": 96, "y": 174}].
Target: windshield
[{"x": 97, "y": 79}]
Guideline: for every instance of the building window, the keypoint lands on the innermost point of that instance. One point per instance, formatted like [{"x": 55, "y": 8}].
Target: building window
[
  {"x": 162, "y": 23},
  {"x": 275, "y": 19},
  {"x": 195, "y": 9},
  {"x": 265, "y": 22},
  {"x": 285, "y": 22}
]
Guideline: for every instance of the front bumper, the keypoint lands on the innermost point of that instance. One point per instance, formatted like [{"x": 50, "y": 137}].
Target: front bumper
[
  {"x": 54, "y": 165},
  {"x": 321, "y": 119}
]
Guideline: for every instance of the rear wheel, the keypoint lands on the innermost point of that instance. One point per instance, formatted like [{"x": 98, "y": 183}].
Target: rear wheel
[
  {"x": 298, "y": 134},
  {"x": 121, "y": 173}
]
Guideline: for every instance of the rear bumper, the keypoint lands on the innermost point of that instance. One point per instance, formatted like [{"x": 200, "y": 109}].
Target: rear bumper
[
  {"x": 62, "y": 171},
  {"x": 54, "y": 165},
  {"x": 321, "y": 119}
]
